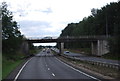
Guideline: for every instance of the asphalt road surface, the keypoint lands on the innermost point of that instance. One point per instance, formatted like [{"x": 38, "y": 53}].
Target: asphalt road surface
[
  {"x": 45, "y": 66},
  {"x": 91, "y": 58}
]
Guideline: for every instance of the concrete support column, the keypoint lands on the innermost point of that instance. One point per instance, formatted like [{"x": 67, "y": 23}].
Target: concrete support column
[
  {"x": 94, "y": 47},
  {"x": 25, "y": 47},
  {"x": 102, "y": 47},
  {"x": 61, "y": 48},
  {"x": 99, "y": 47}
]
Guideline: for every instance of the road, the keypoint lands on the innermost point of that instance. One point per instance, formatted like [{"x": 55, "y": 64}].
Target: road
[
  {"x": 46, "y": 66},
  {"x": 91, "y": 58}
]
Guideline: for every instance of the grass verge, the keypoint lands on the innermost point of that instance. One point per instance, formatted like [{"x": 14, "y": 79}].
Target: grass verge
[
  {"x": 8, "y": 66},
  {"x": 111, "y": 56}
]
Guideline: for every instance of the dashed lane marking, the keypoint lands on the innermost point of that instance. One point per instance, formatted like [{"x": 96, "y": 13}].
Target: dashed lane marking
[
  {"x": 48, "y": 68},
  {"x": 53, "y": 74}
]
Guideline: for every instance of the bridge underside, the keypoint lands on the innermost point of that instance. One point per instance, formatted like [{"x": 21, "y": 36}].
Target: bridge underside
[
  {"x": 59, "y": 40},
  {"x": 42, "y": 41}
]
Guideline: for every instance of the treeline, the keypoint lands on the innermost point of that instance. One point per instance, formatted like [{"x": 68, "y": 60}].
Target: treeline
[
  {"x": 104, "y": 21},
  {"x": 13, "y": 45},
  {"x": 12, "y": 38}
]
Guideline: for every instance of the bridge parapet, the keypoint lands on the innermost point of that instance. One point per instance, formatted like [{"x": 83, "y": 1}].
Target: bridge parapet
[
  {"x": 40, "y": 38},
  {"x": 66, "y": 39},
  {"x": 71, "y": 37},
  {"x": 85, "y": 37}
]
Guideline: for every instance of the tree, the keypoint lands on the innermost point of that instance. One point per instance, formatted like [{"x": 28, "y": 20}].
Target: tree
[
  {"x": 94, "y": 12},
  {"x": 11, "y": 36},
  {"x": 115, "y": 42}
]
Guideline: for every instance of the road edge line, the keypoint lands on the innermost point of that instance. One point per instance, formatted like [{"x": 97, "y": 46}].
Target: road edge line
[
  {"x": 79, "y": 71},
  {"x": 16, "y": 77}
]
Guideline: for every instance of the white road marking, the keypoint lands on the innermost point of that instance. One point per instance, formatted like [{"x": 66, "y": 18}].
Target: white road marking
[
  {"x": 48, "y": 68},
  {"x": 78, "y": 70},
  {"x": 53, "y": 74},
  {"x": 21, "y": 70}
]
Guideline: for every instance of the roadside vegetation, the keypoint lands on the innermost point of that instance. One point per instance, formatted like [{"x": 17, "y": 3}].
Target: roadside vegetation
[
  {"x": 104, "y": 21},
  {"x": 8, "y": 65},
  {"x": 110, "y": 56},
  {"x": 12, "y": 51},
  {"x": 11, "y": 41}
]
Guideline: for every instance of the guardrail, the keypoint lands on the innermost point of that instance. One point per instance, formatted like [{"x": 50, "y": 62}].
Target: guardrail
[{"x": 98, "y": 63}]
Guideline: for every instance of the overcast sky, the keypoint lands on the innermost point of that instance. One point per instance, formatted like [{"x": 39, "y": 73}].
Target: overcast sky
[{"x": 40, "y": 18}]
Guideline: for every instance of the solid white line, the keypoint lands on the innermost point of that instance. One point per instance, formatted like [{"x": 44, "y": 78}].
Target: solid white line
[
  {"x": 21, "y": 70},
  {"x": 78, "y": 70},
  {"x": 53, "y": 74}
]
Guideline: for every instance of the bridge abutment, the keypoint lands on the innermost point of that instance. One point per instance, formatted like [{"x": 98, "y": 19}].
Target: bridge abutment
[
  {"x": 25, "y": 47},
  {"x": 99, "y": 47}
]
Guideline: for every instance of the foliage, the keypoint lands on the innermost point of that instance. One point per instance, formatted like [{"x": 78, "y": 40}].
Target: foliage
[{"x": 11, "y": 36}]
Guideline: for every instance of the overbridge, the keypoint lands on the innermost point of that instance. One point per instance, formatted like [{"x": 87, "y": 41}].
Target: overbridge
[{"x": 99, "y": 44}]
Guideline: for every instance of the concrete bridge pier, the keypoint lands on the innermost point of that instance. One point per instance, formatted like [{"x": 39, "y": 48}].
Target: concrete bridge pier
[
  {"x": 99, "y": 47},
  {"x": 61, "y": 48},
  {"x": 25, "y": 47}
]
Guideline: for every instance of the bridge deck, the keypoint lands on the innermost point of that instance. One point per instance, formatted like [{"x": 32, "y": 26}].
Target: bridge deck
[{"x": 68, "y": 39}]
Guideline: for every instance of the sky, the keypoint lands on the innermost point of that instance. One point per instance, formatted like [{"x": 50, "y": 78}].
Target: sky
[{"x": 41, "y": 18}]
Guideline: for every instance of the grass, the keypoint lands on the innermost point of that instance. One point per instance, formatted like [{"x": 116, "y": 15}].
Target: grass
[
  {"x": 111, "y": 56},
  {"x": 34, "y": 51},
  {"x": 100, "y": 69},
  {"x": 8, "y": 65},
  {"x": 10, "y": 62}
]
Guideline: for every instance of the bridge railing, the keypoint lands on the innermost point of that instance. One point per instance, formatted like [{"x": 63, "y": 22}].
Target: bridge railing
[
  {"x": 40, "y": 38},
  {"x": 89, "y": 36},
  {"x": 72, "y": 37}
]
